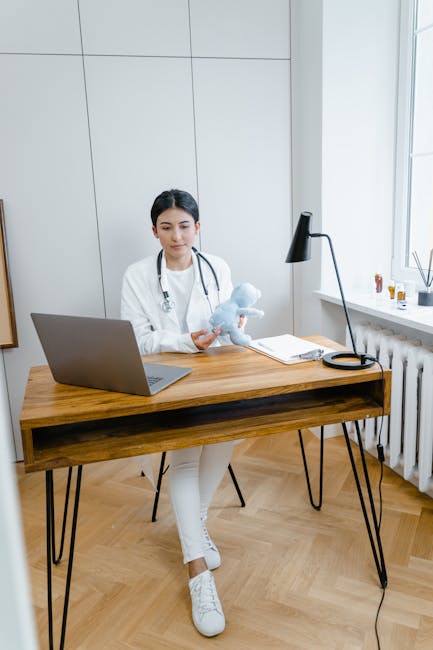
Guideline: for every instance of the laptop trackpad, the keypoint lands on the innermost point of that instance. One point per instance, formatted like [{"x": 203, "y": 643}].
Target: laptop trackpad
[{"x": 161, "y": 375}]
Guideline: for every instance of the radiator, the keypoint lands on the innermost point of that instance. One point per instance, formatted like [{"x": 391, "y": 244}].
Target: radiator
[{"x": 407, "y": 434}]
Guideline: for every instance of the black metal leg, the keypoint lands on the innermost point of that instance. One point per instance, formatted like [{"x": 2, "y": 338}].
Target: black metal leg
[
  {"x": 158, "y": 485},
  {"x": 56, "y": 560},
  {"x": 237, "y": 488},
  {"x": 50, "y": 552},
  {"x": 318, "y": 505},
  {"x": 161, "y": 473},
  {"x": 375, "y": 540},
  {"x": 49, "y": 513}
]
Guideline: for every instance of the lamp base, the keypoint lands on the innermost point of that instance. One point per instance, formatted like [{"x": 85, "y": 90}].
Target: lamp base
[{"x": 342, "y": 360}]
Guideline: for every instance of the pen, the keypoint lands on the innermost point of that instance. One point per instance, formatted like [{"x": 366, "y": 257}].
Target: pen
[{"x": 310, "y": 355}]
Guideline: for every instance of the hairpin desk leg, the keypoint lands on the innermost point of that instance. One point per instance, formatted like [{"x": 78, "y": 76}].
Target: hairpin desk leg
[
  {"x": 161, "y": 473},
  {"x": 375, "y": 541},
  {"x": 163, "y": 470},
  {"x": 56, "y": 560},
  {"x": 237, "y": 488},
  {"x": 51, "y": 553},
  {"x": 318, "y": 505}
]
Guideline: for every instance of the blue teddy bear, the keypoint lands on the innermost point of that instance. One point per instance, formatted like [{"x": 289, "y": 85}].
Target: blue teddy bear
[{"x": 227, "y": 314}]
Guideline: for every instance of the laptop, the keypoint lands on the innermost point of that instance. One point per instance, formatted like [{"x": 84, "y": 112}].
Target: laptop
[{"x": 100, "y": 353}]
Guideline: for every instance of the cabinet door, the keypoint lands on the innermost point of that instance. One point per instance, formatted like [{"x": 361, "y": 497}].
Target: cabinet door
[
  {"x": 142, "y": 132},
  {"x": 135, "y": 27},
  {"x": 47, "y": 189},
  {"x": 243, "y": 144},
  {"x": 42, "y": 27},
  {"x": 246, "y": 28}
]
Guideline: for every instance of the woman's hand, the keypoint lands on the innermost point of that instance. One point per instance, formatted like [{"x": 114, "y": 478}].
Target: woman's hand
[
  {"x": 242, "y": 319},
  {"x": 203, "y": 338}
]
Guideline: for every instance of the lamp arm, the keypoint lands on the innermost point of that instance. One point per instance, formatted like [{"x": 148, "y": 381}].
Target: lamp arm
[{"x": 346, "y": 313}]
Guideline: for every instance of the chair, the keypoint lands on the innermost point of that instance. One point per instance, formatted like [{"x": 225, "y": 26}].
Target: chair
[{"x": 162, "y": 471}]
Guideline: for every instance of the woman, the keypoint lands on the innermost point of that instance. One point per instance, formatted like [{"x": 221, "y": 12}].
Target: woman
[{"x": 169, "y": 298}]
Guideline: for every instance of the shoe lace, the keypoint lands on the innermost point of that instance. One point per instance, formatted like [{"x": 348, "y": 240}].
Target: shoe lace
[
  {"x": 207, "y": 542},
  {"x": 206, "y": 595}
]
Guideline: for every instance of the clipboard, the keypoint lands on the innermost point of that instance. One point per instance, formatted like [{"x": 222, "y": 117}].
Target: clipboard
[{"x": 289, "y": 349}]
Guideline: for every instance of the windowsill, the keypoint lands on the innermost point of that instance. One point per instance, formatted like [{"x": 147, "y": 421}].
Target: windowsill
[{"x": 415, "y": 317}]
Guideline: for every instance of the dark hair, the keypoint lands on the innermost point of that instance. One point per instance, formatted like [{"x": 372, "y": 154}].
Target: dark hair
[{"x": 174, "y": 199}]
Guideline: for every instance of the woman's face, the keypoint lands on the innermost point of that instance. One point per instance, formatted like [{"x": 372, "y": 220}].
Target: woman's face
[{"x": 176, "y": 232}]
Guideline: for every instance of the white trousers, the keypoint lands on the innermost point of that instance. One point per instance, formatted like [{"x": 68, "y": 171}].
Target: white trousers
[{"x": 194, "y": 476}]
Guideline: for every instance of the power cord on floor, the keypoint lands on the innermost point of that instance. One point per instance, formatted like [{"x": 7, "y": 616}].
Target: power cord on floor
[
  {"x": 381, "y": 458},
  {"x": 377, "y": 617}
]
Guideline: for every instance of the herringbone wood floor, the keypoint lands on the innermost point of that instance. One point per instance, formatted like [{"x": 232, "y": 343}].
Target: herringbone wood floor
[{"x": 291, "y": 578}]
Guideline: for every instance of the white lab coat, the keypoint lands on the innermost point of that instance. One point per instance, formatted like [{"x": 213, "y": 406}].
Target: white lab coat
[{"x": 157, "y": 330}]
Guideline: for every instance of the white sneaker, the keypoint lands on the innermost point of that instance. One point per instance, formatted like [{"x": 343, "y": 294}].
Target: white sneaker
[
  {"x": 210, "y": 551},
  {"x": 207, "y": 612}
]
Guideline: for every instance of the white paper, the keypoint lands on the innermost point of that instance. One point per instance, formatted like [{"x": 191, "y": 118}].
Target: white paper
[{"x": 286, "y": 348}]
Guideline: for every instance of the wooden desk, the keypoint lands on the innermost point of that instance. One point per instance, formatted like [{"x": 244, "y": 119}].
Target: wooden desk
[{"x": 231, "y": 393}]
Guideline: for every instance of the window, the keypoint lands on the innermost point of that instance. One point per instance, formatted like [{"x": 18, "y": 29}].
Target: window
[{"x": 414, "y": 177}]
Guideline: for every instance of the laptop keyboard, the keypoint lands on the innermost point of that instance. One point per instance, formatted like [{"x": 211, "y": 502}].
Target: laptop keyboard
[{"x": 153, "y": 380}]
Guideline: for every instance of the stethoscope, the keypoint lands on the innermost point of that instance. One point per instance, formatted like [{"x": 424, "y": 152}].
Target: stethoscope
[{"x": 168, "y": 304}]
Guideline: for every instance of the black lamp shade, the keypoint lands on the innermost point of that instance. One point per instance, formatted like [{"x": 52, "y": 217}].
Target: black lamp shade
[{"x": 300, "y": 249}]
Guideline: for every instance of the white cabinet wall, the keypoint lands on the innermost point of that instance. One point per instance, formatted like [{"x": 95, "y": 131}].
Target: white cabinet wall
[
  {"x": 107, "y": 104},
  {"x": 143, "y": 141},
  {"x": 46, "y": 185},
  {"x": 243, "y": 172}
]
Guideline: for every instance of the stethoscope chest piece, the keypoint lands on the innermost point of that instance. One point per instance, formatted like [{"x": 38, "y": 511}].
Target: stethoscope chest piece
[{"x": 167, "y": 305}]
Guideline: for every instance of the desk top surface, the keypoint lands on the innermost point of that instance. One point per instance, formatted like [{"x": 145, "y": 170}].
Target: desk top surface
[{"x": 221, "y": 374}]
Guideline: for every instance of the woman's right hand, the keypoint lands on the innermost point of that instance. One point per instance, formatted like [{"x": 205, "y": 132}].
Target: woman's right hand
[{"x": 203, "y": 338}]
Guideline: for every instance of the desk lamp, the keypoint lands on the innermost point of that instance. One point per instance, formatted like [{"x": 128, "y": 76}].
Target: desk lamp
[{"x": 300, "y": 251}]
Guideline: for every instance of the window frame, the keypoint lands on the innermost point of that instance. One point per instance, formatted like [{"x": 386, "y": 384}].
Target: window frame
[{"x": 405, "y": 95}]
